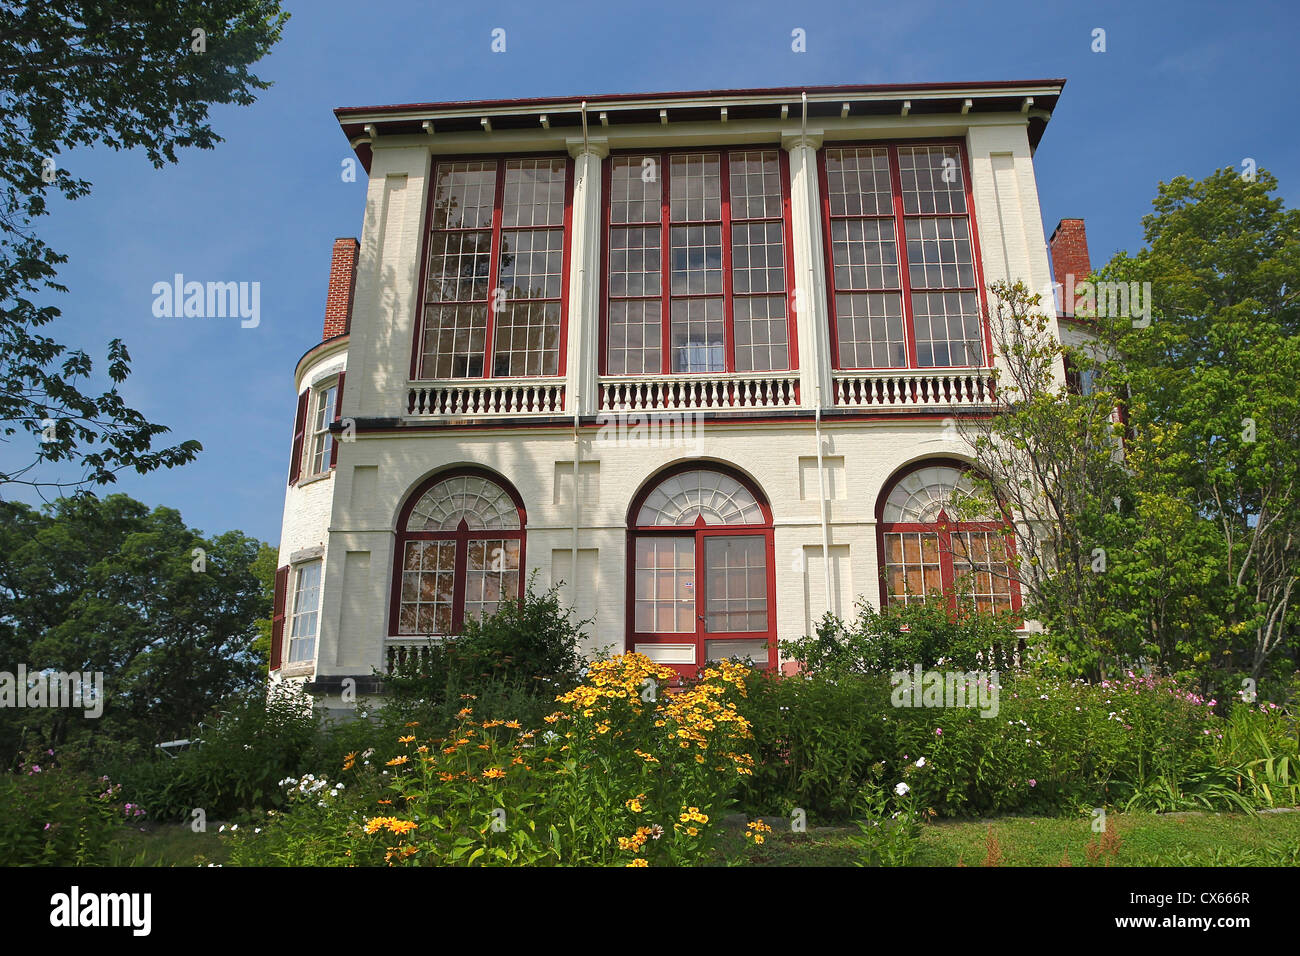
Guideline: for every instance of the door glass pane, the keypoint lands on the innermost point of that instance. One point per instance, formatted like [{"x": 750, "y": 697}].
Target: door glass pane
[
  {"x": 664, "y": 583},
  {"x": 735, "y": 570}
]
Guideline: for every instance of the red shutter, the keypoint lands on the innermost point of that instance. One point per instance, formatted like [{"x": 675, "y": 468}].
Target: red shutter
[
  {"x": 277, "y": 615},
  {"x": 338, "y": 414},
  {"x": 299, "y": 429}
]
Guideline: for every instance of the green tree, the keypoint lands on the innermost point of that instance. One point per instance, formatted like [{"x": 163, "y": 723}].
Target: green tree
[
  {"x": 165, "y": 613},
  {"x": 1213, "y": 404},
  {"x": 127, "y": 74}
]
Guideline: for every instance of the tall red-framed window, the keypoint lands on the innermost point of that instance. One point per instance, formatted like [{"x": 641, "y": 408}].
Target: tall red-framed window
[
  {"x": 903, "y": 271},
  {"x": 494, "y": 291},
  {"x": 460, "y": 549},
  {"x": 698, "y": 263},
  {"x": 931, "y": 546},
  {"x": 701, "y": 577}
]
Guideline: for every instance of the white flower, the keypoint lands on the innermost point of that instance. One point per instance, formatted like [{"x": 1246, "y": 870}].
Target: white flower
[
  {"x": 901, "y": 789},
  {"x": 920, "y": 762}
]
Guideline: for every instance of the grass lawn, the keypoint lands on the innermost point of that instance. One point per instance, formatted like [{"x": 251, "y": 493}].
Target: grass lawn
[{"x": 1228, "y": 839}]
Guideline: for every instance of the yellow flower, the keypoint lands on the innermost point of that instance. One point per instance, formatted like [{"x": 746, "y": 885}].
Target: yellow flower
[
  {"x": 406, "y": 740},
  {"x": 398, "y": 761},
  {"x": 639, "y": 861},
  {"x": 413, "y": 723},
  {"x": 513, "y": 724},
  {"x": 493, "y": 773},
  {"x": 464, "y": 712},
  {"x": 693, "y": 831}
]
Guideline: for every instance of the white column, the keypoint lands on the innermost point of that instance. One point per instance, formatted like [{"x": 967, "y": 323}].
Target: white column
[
  {"x": 584, "y": 277},
  {"x": 812, "y": 315}
]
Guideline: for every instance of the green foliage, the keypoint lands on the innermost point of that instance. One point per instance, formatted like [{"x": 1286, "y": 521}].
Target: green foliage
[
  {"x": 902, "y": 635},
  {"x": 109, "y": 586},
  {"x": 256, "y": 741},
  {"x": 514, "y": 662},
  {"x": 122, "y": 75},
  {"x": 890, "y": 825},
  {"x": 1051, "y": 745},
  {"x": 51, "y": 815},
  {"x": 623, "y": 774}
]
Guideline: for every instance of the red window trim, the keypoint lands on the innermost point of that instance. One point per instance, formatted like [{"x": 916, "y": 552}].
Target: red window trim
[
  {"x": 665, "y": 252},
  {"x": 945, "y": 529},
  {"x": 280, "y": 593},
  {"x": 462, "y": 536},
  {"x": 900, "y": 237},
  {"x": 417, "y": 332},
  {"x": 698, "y": 532}
]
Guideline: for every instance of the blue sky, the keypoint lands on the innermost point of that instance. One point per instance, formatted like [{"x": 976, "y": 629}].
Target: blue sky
[{"x": 1182, "y": 88}]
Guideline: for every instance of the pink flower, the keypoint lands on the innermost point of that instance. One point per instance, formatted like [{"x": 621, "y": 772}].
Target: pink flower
[
  {"x": 1033, "y": 783},
  {"x": 47, "y": 826},
  {"x": 938, "y": 731}
]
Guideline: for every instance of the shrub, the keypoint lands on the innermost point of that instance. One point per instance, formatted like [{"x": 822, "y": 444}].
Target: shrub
[
  {"x": 515, "y": 662},
  {"x": 902, "y": 635},
  {"x": 622, "y": 773},
  {"x": 51, "y": 815},
  {"x": 261, "y": 738}
]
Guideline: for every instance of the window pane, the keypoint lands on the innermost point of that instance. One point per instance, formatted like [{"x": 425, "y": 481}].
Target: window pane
[
  {"x": 696, "y": 260},
  {"x": 696, "y": 191},
  {"x": 757, "y": 257},
  {"x": 931, "y": 177},
  {"x": 534, "y": 193},
  {"x": 697, "y": 335},
  {"x": 912, "y": 566},
  {"x": 755, "y": 182},
  {"x": 532, "y": 264},
  {"x": 635, "y": 187},
  {"x": 527, "y": 339},
  {"x": 491, "y": 575},
  {"x": 635, "y": 344},
  {"x": 665, "y": 595},
  {"x": 864, "y": 254},
  {"x": 947, "y": 329},
  {"x": 735, "y": 572},
  {"x": 761, "y": 333},
  {"x": 427, "y": 593},
  {"x": 459, "y": 264},
  {"x": 869, "y": 330},
  {"x": 939, "y": 254},
  {"x": 635, "y": 267},
  {"x": 858, "y": 182},
  {"x": 454, "y": 340},
  {"x": 464, "y": 195}
]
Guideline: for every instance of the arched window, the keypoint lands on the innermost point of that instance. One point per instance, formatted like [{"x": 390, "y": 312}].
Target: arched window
[
  {"x": 929, "y": 542},
  {"x": 700, "y": 570},
  {"x": 460, "y": 545}
]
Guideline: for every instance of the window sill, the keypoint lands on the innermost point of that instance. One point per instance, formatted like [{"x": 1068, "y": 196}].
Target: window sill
[
  {"x": 302, "y": 482},
  {"x": 299, "y": 669}
]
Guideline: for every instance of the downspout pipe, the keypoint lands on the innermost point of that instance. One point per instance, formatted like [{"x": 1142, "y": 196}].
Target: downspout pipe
[
  {"x": 577, "y": 406},
  {"x": 817, "y": 390}
]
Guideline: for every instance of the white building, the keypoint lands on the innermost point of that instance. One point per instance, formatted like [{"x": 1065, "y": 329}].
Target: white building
[{"x": 667, "y": 349}]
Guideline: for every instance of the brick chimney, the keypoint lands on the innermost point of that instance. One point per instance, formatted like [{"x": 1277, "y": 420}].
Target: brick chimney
[
  {"x": 343, "y": 279},
  {"x": 1069, "y": 245}
]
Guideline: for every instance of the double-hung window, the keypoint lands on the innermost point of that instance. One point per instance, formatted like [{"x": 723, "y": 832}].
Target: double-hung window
[
  {"x": 494, "y": 286},
  {"x": 304, "y": 612},
  {"x": 322, "y": 442},
  {"x": 698, "y": 277},
  {"x": 902, "y": 272}
]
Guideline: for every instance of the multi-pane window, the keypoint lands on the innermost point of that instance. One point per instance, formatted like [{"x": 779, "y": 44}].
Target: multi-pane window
[
  {"x": 698, "y": 276},
  {"x": 304, "y": 612},
  {"x": 322, "y": 442},
  {"x": 932, "y": 547},
  {"x": 904, "y": 289},
  {"x": 494, "y": 286},
  {"x": 460, "y": 550},
  {"x": 702, "y": 551}
]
